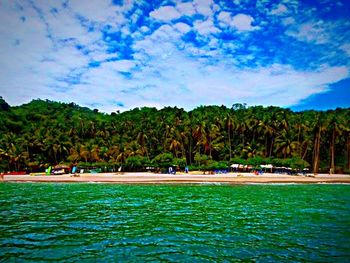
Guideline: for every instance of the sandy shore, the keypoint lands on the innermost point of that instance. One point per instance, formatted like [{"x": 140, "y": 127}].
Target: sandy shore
[{"x": 150, "y": 178}]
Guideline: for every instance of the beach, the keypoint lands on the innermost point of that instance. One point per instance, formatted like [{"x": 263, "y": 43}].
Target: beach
[{"x": 152, "y": 178}]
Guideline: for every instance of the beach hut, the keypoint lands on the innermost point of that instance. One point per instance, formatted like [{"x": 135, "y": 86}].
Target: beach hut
[
  {"x": 235, "y": 167},
  {"x": 61, "y": 169},
  {"x": 267, "y": 166}
]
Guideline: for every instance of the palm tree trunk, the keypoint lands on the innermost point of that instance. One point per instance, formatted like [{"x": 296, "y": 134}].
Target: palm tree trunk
[
  {"x": 210, "y": 147},
  {"x": 316, "y": 152},
  {"x": 16, "y": 166},
  {"x": 304, "y": 154},
  {"x": 190, "y": 152},
  {"x": 348, "y": 150},
  {"x": 183, "y": 150},
  {"x": 333, "y": 150},
  {"x": 271, "y": 147},
  {"x": 147, "y": 154},
  {"x": 229, "y": 142},
  {"x": 299, "y": 144}
]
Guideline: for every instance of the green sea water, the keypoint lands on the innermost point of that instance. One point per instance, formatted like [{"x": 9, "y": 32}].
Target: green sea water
[{"x": 174, "y": 223}]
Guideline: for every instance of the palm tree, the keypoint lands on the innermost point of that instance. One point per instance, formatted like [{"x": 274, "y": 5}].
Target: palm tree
[
  {"x": 199, "y": 134},
  {"x": 336, "y": 129},
  {"x": 214, "y": 139},
  {"x": 15, "y": 156},
  {"x": 347, "y": 138},
  {"x": 286, "y": 144},
  {"x": 174, "y": 146},
  {"x": 319, "y": 128},
  {"x": 75, "y": 153},
  {"x": 268, "y": 131},
  {"x": 142, "y": 141},
  {"x": 50, "y": 132},
  {"x": 229, "y": 125}
]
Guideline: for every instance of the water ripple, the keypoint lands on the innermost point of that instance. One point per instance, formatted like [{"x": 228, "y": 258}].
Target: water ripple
[{"x": 198, "y": 223}]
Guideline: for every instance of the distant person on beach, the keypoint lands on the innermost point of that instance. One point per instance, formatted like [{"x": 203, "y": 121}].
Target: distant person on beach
[{"x": 186, "y": 169}]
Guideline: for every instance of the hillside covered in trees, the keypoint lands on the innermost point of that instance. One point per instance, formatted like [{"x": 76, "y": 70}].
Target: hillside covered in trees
[{"x": 40, "y": 133}]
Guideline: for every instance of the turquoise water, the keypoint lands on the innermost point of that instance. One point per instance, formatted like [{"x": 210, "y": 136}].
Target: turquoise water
[{"x": 192, "y": 223}]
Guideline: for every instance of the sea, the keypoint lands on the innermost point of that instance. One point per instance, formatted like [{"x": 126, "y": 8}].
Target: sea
[{"x": 84, "y": 222}]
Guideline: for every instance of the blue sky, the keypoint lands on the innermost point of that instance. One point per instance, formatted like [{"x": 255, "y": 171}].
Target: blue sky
[{"x": 117, "y": 55}]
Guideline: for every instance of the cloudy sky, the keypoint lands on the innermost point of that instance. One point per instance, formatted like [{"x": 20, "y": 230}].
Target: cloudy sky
[{"x": 117, "y": 55}]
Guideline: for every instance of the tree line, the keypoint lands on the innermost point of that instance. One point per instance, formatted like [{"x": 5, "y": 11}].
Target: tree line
[{"x": 45, "y": 132}]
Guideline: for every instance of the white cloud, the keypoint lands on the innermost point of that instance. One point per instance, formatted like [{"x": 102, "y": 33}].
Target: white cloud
[
  {"x": 293, "y": 5},
  {"x": 123, "y": 65},
  {"x": 186, "y": 8},
  {"x": 204, "y": 7},
  {"x": 176, "y": 79},
  {"x": 346, "y": 48},
  {"x": 165, "y": 13},
  {"x": 205, "y": 27},
  {"x": 314, "y": 32},
  {"x": 213, "y": 43},
  {"x": 182, "y": 27},
  {"x": 241, "y": 22},
  {"x": 164, "y": 70},
  {"x": 63, "y": 26},
  {"x": 157, "y": 44},
  {"x": 144, "y": 29},
  {"x": 288, "y": 21},
  {"x": 164, "y": 33},
  {"x": 279, "y": 10},
  {"x": 95, "y": 10},
  {"x": 225, "y": 17},
  {"x": 69, "y": 57}
]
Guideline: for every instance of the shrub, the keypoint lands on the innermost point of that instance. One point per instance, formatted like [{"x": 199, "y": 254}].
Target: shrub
[
  {"x": 136, "y": 161},
  {"x": 163, "y": 160}
]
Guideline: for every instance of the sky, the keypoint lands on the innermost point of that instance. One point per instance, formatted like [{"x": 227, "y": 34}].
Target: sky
[{"x": 122, "y": 54}]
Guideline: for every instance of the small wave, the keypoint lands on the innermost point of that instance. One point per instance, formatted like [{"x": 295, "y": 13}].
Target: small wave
[
  {"x": 212, "y": 183},
  {"x": 275, "y": 183},
  {"x": 332, "y": 183}
]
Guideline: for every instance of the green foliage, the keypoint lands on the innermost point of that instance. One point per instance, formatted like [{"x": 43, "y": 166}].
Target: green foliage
[
  {"x": 238, "y": 160},
  {"x": 84, "y": 165},
  {"x": 208, "y": 137},
  {"x": 202, "y": 159},
  {"x": 214, "y": 165},
  {"x": 181, "y": 162},
  {"x": 3, "y": 105},
  {"x": 163, "y": 160},
  {"x": 256, "y": 161},
  {"x": 295, "y": 163},
  {"x": 136, "y": 161}
]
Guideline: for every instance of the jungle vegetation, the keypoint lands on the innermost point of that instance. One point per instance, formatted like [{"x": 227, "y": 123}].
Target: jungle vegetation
[{"x": 45, "y": 132}]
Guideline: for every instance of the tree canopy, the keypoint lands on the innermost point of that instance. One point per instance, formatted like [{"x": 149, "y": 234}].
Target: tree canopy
[{"x": 45, "y": 132}]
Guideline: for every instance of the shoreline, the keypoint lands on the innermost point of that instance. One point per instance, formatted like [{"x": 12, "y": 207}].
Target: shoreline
[{"x": 182, "y": 178}]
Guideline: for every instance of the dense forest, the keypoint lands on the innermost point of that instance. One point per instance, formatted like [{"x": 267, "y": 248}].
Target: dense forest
[{"x": 42, "y": 133}]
